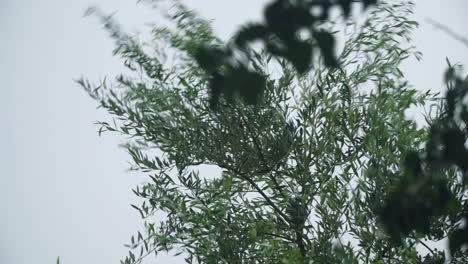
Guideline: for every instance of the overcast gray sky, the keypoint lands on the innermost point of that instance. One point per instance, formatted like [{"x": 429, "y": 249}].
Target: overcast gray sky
[{"x": 63, "y": 190}]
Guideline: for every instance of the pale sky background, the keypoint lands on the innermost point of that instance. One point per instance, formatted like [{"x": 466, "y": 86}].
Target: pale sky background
[{"x": 63, "y": 190}]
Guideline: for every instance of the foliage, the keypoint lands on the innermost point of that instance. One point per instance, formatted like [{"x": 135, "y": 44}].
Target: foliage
[
  {"x": 285, "y": 21},
  {"x": 305, "y": 171}
]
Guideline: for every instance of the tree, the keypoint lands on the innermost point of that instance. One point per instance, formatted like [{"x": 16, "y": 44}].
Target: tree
[{"x": 305, "y": 170}]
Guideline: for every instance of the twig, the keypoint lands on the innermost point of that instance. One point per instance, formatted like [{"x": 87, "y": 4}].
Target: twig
[
  {"x": 284, "y": 217},
  {"x": 426, "y": 246},
  {"x": 262, "y": 157},
  {"x": 447, "y": 30}
]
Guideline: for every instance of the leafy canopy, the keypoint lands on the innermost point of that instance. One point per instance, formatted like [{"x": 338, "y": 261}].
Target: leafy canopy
[{"x": 304, "y": 172}]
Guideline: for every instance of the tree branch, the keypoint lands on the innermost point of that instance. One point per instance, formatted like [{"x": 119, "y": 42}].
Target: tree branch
[
  {"x": 284, "y": 217},
  {"x": 447, "y": 30},
  {"x": 262, "y": 157}
]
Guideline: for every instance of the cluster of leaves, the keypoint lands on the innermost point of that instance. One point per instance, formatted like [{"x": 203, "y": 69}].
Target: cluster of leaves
[
  {"x": 303, "y": 171},
  {"x": 426, "y": 195},
  {"x": 286, "y": 21}
]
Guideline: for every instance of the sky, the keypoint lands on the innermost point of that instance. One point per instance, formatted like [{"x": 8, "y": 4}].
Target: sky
[{"x": 65, "y": 191}]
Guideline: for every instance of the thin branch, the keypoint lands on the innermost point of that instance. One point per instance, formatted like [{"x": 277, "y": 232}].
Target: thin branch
[
  {"x": 262, "y": 157},
  {"x": 426, "y": 246},
  {"x": 284, "y": 217},
  {"x": 278, "y": 236},
  {"x": 448, "y": 31}
]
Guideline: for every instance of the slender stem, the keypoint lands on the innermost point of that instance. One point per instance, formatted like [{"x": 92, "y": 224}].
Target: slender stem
[{"x": 278, "y": 236}]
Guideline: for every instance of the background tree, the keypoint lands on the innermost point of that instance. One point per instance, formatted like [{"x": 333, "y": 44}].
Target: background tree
[{"x": 304, "y": 170}]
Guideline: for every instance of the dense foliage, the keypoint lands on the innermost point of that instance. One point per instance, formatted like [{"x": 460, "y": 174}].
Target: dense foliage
[{"x": 309, "y": 173}]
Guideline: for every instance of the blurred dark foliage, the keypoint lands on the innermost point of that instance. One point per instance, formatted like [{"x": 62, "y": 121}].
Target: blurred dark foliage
[
  {"x": 280, "y": 34},
  {"x": 422, "y": 196},
  {"x": 436, "y": 257},
  {"x": 413, "y": 201}
]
